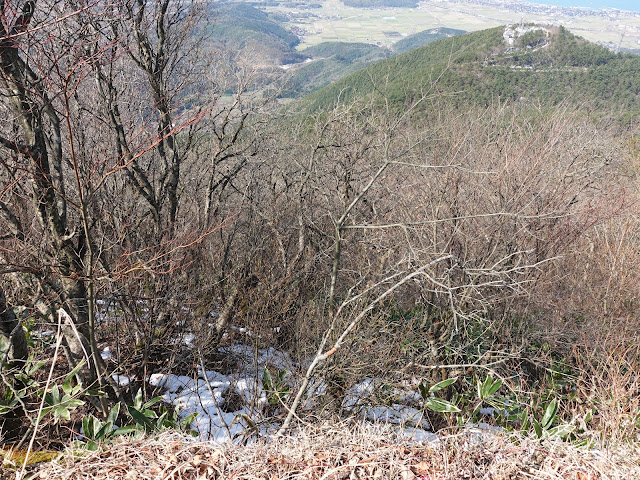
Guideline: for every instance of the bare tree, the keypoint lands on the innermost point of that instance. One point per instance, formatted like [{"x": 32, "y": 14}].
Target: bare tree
[
  {"x": 38, "y": 84},
  {"x": 111, "y": 112}
]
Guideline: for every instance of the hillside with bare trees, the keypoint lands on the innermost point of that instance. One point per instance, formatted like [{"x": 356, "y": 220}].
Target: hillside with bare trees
[{"x": 182, "y": 251}]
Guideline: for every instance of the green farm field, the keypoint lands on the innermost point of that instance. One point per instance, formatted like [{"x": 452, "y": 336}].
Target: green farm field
[{"x": 383, "y": 26}]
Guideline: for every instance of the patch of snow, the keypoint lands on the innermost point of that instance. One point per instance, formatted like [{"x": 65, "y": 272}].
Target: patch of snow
[
  {"x": 479, "y": 431},
  {"x": 407, "y": 397},
  {"x": 206, "y": 397},
  {"x": 287, "y": 66},
  {"x": 121, "y": 380},
  {"x": 188, "y": 339},
  {"x": 396, "y": 414},
  {"x": 171, "y": 383},
  {"x": 358, "y": 393},
  {"x": 46, "y": 333},
  {"x": 250, "y": 391},
  {"x": 224, "y": 403},
  {"x": 511, "y": 32},
  {"x": 418, "y": 435},
  {"x": 487, "y": 411},
  {"x": 106, "y": 354},
  {"x": 212, "y": 377},
  {"x": 243, "y": 330},
  {"x": 269, "y": 356}
]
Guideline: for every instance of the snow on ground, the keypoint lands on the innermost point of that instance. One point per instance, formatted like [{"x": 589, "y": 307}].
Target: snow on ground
[
  {"x": 106, "y": 354},
  {"x": 223, "y": 402},
  {"x": 358, "y": 393},
  {"x": 188, "y": 339},
  {"x": 226, "y": 404},
  {"x": 358, "y": 399},
  {"x": 269, "y": 356},
  {"x": 418, "y": 435},
  {"x": 121, "y": 380}
]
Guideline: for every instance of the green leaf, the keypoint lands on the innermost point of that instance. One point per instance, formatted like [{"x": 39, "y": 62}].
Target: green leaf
[
  {"x": 537, "y": 428},
  {"x": 188, "y": 420},
  {"x": 424, "y": 391},
  {"x": 53, "y": 398},
  {"x": 4, "y": 409},
  {"x": 488, "y": 387},
  {"x": 104, "y": 432},
  {"x": 494, "y": 387},
  {"x": 561, "y": 431},
  {"x": 126, "y": 430},
  {"x": 73, "y": 372},
  {"x": 44, "y": 413},
  {"x": 91, "y": 446},
  {"x": 151, "y": 403},
  {"x": 585, "y": 442},
  {"x": 34, "y": 367},
  {"x": 137, "y": 401},
  {"x": 549, "y": 415},
  {"x": 140, "y": 418},
  {"x": 93, "y": 392},
  {"x": 67, "y": 388},
  {"x": 525, "y": 423},
  {"x": 267, "y": 380},
  {"x": 61, "y": 412},
  {"x": 64, "y": 409},
  {"x": 113, "y": 413},
  {"x": 89, "y": 427},
  {"x": 243, "y": 416},
  {"x": 147, "y": 412},
  {"x": 439, "y": 405},
  {"x": 161, "y": 421},
  {"x": 443, "y": 384}
]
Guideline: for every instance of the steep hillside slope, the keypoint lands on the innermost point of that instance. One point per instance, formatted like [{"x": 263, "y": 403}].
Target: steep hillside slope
[
  {"x": 330, "y": 61},
  {"x": 250, "y": 31}
]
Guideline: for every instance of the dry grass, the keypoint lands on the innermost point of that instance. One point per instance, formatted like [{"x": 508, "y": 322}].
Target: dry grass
[{"x": 347, "y": 452}]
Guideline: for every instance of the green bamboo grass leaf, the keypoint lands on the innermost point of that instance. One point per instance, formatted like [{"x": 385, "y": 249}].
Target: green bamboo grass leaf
[
  {"x": 443, "y": 384},
  {"x": 549, "y": 415},
  {"x": 441, "y": 406}
]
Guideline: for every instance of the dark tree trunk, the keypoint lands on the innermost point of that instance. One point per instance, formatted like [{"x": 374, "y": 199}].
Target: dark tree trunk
[{"x": 11, "y": 328}]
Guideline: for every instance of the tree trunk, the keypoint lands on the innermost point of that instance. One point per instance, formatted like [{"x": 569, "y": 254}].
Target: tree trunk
[{"x": 12, "y": 330}]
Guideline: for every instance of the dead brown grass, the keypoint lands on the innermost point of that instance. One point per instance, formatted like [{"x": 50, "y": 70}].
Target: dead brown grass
[{"x": 347, "y": 452}]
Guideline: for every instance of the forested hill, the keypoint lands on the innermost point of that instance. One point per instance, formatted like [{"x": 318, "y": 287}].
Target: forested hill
[
  {"x": 541, "y": 64},
  {"x": 330, "y": 61},
  {"x": 420, "y": 39},
  {"x": 241, "y": 26}
]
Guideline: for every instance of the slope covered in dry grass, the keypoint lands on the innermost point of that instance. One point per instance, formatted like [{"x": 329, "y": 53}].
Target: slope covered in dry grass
[{"x": 348, "y": 452}]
